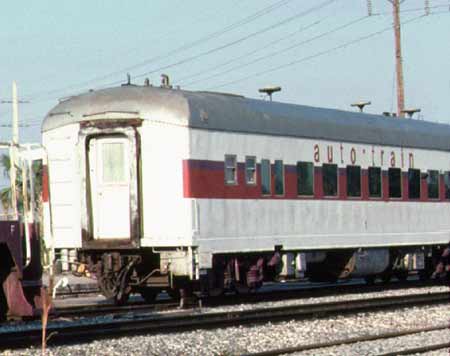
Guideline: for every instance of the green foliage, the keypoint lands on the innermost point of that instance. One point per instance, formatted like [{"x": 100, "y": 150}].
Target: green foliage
[{"x": 5, "y": 193}]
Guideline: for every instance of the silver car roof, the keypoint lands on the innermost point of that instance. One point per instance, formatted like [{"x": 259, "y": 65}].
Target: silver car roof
[{"x": 224, "y": 112}]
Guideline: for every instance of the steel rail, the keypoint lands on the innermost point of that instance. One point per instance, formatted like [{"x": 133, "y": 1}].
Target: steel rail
[
  {"x": 302, "y": 287},
  {"x": 105, "y": 309},
  {"x": 264, "y": 296},
  {"x": 420, "y": 350},
  {"x": 188, "y": 320},
  {"x": 294, "y": 292},
  {"x": 353, "y": 340}
]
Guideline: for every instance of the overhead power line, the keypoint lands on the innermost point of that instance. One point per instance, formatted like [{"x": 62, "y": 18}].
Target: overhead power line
[
  {"x": 228, "y": 28},
  {"x": 313, "y": 56},
  {"x": 283, "y": 50},
  {"x": 239, "y": 40},
  {"x": 248, "y": 54},
  {"x": 185, "y": 47},
  {"x": 415, "y": 9}
]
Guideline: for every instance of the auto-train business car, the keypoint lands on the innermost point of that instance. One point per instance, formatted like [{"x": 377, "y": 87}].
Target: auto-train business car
[{"x": 164, "y": 189}]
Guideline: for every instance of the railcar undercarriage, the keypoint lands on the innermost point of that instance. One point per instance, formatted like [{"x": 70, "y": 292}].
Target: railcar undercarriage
[{"x": 120, "y": 273}]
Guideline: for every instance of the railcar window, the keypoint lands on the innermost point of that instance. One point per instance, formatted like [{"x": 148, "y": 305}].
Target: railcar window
[
  {"x": 250, "y": 170},
  {"x": 433, "y": 184},
  {"x": 374, "y": 174},
  {"x": 230, "y": 169},
  {"x": 279, "y": 177},
  {"x": 305, "y": 178},
  {"x": 395, "y": 182},
  {"x": 447, "y": 184},
  {"x": 113, "y": 162},
  {"x": 414, "y": 183},
  {"x": 353, "y": 181},
  {"x": 330, "y": 179},
  {"x": 265, "y": 177}
]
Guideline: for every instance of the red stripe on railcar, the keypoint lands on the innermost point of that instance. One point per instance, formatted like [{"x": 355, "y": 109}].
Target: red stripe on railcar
[
  {"x": 206, "y": 179},
  {"x": 45, "y": 191}
]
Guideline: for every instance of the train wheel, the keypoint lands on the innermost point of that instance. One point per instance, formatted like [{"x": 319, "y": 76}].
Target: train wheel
[
  {"x": 424, "y": 274},
  {"x": 107, "y": 285},
  {"x": 173, "y": 293},
  {"x": 370, "y": 280},
  {"x": 402, "y": 275},
  {"x": 216, "y": 292},
  {"x": 149, "y": 295},
  {"x": 241, "y": 288},
  {"x": 386, "y": 277},
  {"x": 110, "y": 287}
]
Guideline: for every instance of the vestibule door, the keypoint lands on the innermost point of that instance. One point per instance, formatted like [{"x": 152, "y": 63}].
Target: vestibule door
[{"x": 109, "y": 172}]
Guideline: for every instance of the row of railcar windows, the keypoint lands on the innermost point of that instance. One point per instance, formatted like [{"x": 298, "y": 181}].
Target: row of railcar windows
[{"x": 330, "y": 174}]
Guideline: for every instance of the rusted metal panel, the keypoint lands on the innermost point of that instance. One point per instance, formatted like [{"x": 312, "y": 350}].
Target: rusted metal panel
[{"x": 17, "y": 303}]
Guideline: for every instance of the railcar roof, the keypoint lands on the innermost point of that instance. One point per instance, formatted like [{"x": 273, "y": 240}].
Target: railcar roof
[{"x": 215, "y": 111}]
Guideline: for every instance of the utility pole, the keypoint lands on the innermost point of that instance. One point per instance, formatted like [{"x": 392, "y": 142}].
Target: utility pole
[
  {"x": 13, "y": 151},
  {"x": 15, "y": 110},
  {"x": 398, "y": 58}
]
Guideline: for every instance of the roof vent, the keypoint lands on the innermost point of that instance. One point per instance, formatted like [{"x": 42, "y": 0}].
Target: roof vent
[
  {"x": 128, "y": 80},
  {"x": 165, "y": 82},
  {"x": 269, "y": 90},
  {"x": 410, "y": 112},
  {"x": 360, "y": 105},
  {"x": 146, "y": 82}
]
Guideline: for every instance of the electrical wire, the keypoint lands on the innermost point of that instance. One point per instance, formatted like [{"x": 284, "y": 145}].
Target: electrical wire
[
  {"x": 248, "y": 54},
  {"x": 217, "y": 33},
  {"x": 183, "y": 48},
  {"x": 283, "y": 50},
  {"x": 316, "y": 55},
  {"x": 239, "y": 40},
  {"x": 416, "y": 9},
  {"x": 157, "y": 37}
]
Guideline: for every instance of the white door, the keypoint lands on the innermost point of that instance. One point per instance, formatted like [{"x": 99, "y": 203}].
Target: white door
[{"x": 109, "y": 166}]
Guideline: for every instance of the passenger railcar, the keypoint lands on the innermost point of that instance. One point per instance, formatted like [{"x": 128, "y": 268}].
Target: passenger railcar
[{"x": 160, "y": 188}]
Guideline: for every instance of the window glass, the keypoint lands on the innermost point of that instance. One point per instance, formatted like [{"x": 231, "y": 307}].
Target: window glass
[
  {"x": 374, "y": 174},
  {"x": 330, "y": 179},
  {"x": 433, "y": 184},
  {"x": 265, "y": 176},
  {"x": 414, "y": 184},
  {"x": 447, "y": 184},
  {"x": 230, "y": 169},
  {"x": 250, "y": 170},
  {"x": 353, "y": 181},
  {"x": 113, "y": 162},
  {"x": 395, "y": 182},
  {"x": 279, "y": 177},
  {"x": 305, "y": 178}
]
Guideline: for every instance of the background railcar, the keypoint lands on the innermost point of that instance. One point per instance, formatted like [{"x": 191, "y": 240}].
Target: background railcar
[
  {"x": 165, "y": 189},
  {"x": 20, "y": 237}
]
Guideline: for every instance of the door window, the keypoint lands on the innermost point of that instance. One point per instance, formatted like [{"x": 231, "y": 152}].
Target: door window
[{"x": 113, "y": 162}]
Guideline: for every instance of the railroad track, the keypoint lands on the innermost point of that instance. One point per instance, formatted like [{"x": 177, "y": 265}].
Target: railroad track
[
  {"x": 188, "y": 320},
  {"x": 110, "y": 309},
  {"x": 420, "y": 350},
  {"x": 366, "y": 338},
  {"x": 285, "y": 293}
]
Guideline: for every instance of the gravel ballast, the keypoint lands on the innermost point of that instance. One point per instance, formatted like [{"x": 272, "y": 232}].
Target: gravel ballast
[{"x": 238, "y": 340}]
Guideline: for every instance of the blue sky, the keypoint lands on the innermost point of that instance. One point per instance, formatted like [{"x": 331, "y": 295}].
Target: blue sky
[{"x": 59, "y": 48}]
